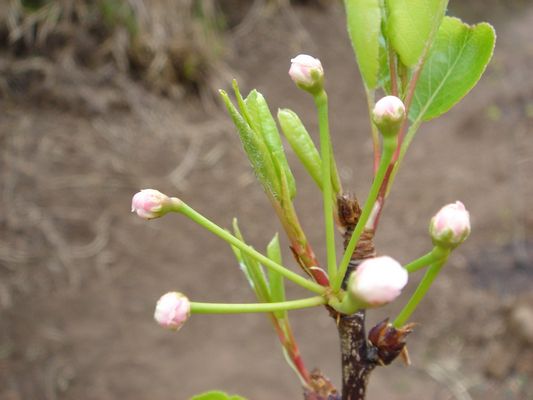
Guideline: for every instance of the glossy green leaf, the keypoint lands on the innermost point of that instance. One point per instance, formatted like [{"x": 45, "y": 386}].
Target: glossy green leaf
[
  {"x": 255, "y": 148},
  {"x": 456, "y": 61},
  {"x": 363, "y": 19},
  {"x": 216, "y": 395},
  {"x": 263, "y": 121},
  {"x": 411, "y": 25}
]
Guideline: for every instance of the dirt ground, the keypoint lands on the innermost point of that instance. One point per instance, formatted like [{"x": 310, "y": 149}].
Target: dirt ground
[{"x": 79, "y": 275}]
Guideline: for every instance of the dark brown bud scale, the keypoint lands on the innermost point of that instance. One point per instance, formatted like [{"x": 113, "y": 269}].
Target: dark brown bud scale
[{"x": 389, "y": 341}]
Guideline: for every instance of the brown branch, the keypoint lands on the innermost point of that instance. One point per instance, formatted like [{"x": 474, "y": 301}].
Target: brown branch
[
  {"x": 356, "y": 354},
  {"x": 359, "y": 355},
  {"x": 356, "y": 363}
]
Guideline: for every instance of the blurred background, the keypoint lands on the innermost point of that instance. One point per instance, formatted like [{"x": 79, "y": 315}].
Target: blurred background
[{"x": 101, "y": 98}]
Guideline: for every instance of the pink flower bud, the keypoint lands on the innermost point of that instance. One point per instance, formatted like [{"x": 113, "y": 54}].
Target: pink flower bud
[
  {"x": 172, "y": 310},
  {"x": 307, "y": 73},
  {"x": 388, "y": 115},
  {"x": 377, "y": 281},
  {"x": 150, "y": 204},
  {"x": 450, "y": 226}
]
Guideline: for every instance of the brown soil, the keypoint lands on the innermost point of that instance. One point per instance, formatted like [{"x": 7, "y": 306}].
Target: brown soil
[{"x": 79, "y": 275}]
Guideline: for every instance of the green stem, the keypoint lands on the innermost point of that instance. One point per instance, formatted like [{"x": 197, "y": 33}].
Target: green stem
[
  {"x": 181, "y": 207},
  {"x": 218, "y": 308},
  {"x": 434, "y": 255},
  {"x": 419, "y": 293},
  {"x": 321, "y": 101},
  {"x": 388, "y": 150}
]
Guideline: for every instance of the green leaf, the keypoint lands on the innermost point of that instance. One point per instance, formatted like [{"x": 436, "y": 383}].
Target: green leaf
[
  {"x": 264, "y": 123},
  {"x": 364, "y": 27},
  {"x": 274, "y": 250},
  {"x": 255, "y": 148},
  {"x": 456, "y": 61},
  {"x": 253, "y": 270},
  {"x": 301, "y": 143},
  {"x": 216, "y": 395},
  {"x": 242, "y": 106},
  {"x": 275, "y": 279},
  {"x": 304, "y": 147},
  {"x": 411, "y": 25},
  {"x": 384, "y": 78}
]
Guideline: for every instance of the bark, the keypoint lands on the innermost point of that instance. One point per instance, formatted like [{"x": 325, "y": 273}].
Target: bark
[{"x": 358, "y": 356}]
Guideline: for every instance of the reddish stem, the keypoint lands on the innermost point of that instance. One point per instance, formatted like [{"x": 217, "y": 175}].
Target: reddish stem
[
  {"x": 302, "y": 250},
  {"x": 292, "y": 349},
  {"x": 401, "y": 135},
  {"x": 377, "y": 158}
]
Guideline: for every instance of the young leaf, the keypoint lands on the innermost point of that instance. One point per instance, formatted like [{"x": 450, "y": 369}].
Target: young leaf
[
  {"x": 364, "y": 27},
  {"x": 216, "y": 395},
  {"x": 277, "y": 288},
  {"x": 411, "y": 24},
  {"x": 456, "y": 61},
  {"x": 304, "y": 147},
  {"x": 301, "y": 143},
  {"x": 243, "y": 267},
  {"x": 384, "y": 77},
  {"x": 253, "y": 270},
  {"x": 240, "y": 102},
  {"x": 263, "y": 122},
  {"x": 255, "y": 148}
]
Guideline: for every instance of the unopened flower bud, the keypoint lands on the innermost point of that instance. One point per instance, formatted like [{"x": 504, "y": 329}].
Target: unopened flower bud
[
  {"x": 450, "y": 226},
  {"x": 150, "y": 204},
  {"x": 172, "y": 310},
  {"x": 388, "y": 115},
  {"x": 377, "y": 281},
  {"x": 307, "y": 73}
]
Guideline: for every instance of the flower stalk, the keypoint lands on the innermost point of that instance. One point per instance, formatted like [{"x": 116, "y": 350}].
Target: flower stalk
[
  {"x": 189, "y": 212},
  {"x": 228, "y": 308},
  {"x": 321, "y": 101},
  {"x": 420, "y": 293},
  {"x": 436, "y": 254}
]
